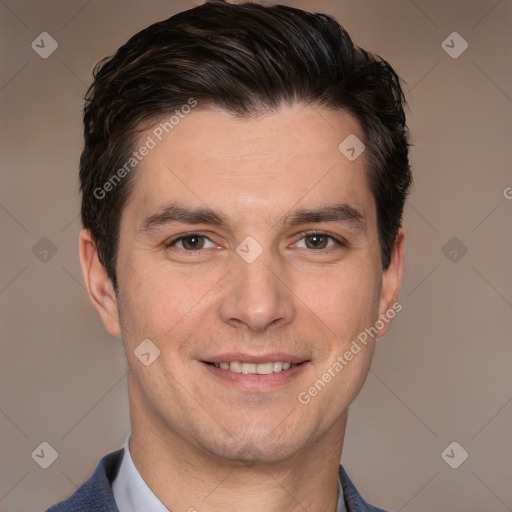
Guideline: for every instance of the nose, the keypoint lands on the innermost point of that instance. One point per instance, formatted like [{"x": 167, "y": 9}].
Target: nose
[{"x": 258, "y": 296}]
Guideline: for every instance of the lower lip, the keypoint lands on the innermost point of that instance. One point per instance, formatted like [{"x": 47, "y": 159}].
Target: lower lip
[{"x": 254, "y": 382}]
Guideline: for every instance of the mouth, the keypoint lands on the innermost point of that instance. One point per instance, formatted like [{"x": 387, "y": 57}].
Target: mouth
[
  {"x": 265, "y": 368},
  {"x": 255, "y": 373}
]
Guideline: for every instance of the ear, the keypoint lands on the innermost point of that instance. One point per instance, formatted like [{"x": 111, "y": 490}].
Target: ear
[
  {"x": 391, "y": 281},
  {"x": 98, "y": 284}
]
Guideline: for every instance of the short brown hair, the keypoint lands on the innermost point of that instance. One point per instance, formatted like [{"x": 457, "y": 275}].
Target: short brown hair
[{"x": 246, "y": 59}]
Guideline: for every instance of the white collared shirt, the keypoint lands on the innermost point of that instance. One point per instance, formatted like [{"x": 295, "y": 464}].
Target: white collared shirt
[{"x": 132, "y": 494}]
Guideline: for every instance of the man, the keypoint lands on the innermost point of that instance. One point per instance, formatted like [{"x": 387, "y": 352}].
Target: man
[{"x": 243, "y": 179}]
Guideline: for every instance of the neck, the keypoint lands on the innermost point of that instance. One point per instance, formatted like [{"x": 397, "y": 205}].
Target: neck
[{"x": 188, "y": 478}]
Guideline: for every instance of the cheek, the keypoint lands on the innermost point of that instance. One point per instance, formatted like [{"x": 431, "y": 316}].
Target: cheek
[
  {"x": 157, "y": 301},
  {"x": 348, "y": 307},
  {"x": 346, "y": 301}
]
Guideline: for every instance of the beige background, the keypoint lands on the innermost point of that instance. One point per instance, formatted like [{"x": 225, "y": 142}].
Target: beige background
[{"x": 443, "y": 372}]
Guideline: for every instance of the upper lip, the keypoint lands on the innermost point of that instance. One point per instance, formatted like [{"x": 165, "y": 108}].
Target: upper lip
[{"x": 254, "y": 358}]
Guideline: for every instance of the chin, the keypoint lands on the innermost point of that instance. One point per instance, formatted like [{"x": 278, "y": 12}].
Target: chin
[
  {"x": 251, "y": 454},
  {"x": 255, "y": 446}
]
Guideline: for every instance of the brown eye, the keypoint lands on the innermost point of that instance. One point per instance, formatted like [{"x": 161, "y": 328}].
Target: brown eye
[
  {"x": 191, "y": 242},
  {"x": 316, "y": 241}
]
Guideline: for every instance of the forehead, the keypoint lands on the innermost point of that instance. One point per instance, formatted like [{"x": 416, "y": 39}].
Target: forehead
[{"x": 266, "y": 164}]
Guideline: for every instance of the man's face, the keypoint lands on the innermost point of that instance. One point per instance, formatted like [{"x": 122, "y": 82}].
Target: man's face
[{"x": 254, "y": 283}]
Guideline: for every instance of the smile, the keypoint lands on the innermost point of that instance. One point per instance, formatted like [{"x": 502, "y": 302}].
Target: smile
[
  {"x": 256, "y": 374},
  {"x": 265, "y": 368}
]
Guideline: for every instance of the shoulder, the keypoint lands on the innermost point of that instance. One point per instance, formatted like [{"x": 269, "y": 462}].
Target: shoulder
[
  {"x": 354, "y": 501},
  {"x": 96, "y": 493}
]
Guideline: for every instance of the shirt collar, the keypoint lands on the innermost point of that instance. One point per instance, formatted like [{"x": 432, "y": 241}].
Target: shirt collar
[{"x": 132, "y": 494}]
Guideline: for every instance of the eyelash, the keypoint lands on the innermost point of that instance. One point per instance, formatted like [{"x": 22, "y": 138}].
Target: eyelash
[{"x": 338, "y": 240}]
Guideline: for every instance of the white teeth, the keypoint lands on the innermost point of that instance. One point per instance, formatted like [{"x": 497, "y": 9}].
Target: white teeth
[
  {"x": 278, "y": 366},
  {"x": 248, "y": 368},
  {"x": 235, "y": 366},
  {"x": 253, "y": 368},
  {"x": 265, "y": 368}
]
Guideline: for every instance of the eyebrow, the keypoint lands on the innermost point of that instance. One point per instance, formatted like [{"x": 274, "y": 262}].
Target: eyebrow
[
  {"x": 341, "y": 213},
  {"x": 173, "y": 214}
]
